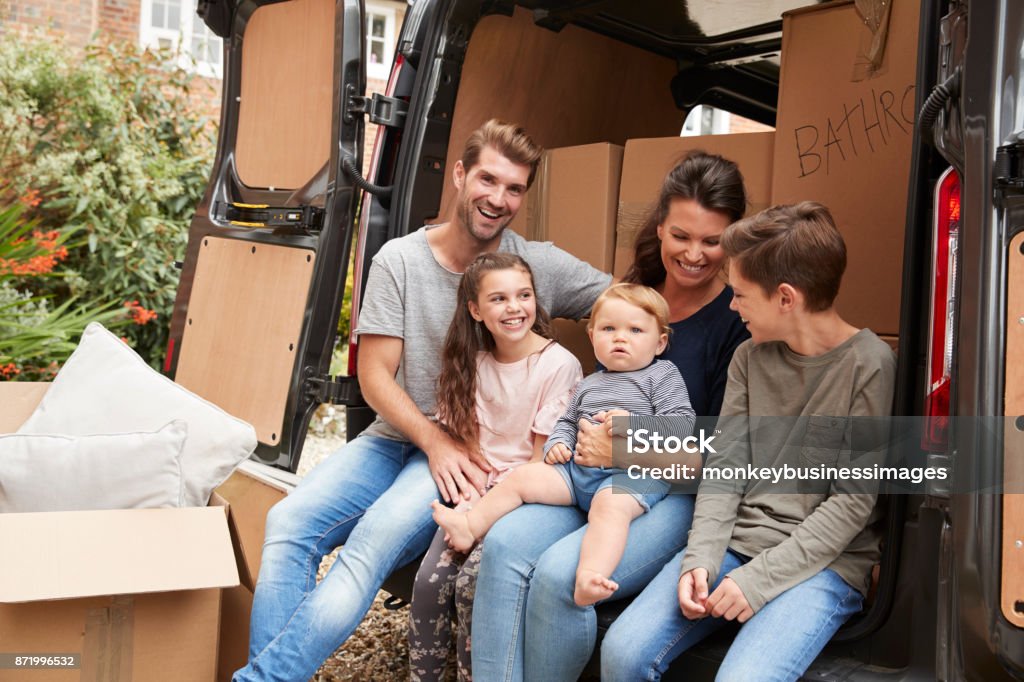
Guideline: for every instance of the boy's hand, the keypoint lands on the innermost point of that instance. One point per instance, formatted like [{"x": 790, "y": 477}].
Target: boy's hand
[
  {"x": 693, "y": 593},
  {"x": 727, "y": 601},
  {"x": 558, "y": 454}
]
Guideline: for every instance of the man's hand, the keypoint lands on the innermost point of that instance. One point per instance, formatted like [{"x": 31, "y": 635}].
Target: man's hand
[
  {"x": 558, "y": 454},
  {"x": 456, "y": 472},
  {"x": 727, "y": 601},
  {"x": 693, "y": 593}
]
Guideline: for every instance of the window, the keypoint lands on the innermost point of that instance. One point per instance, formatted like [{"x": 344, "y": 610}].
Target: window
[
  {"x": 705, "y": 120},
  {"x": 380, "y": 40},
  {"x": 174, "y": 24}
]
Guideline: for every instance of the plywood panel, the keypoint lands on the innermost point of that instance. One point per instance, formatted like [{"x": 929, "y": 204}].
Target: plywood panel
[
  {"x": 243, "y": 326},
  {"x": 568, "y": 88},
  {"x": 284, "y": 117},
  {"x": 847, "y": 144},
  {"x": 1013, "y": 450}
]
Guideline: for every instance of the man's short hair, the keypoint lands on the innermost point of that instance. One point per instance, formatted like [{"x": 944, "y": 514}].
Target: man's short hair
[
  {"x": 794, "y": 244},
  {"x": 644, "y": 298},
  {"x": 509, "y": 140}
]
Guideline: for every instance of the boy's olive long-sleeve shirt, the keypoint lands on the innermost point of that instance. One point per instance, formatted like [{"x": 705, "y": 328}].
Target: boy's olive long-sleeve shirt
[{"x": 792, "y": 536}]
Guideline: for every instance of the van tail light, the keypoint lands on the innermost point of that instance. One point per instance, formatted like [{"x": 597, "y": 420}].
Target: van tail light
[
  {"x": 357, "y": 277},
  {"x": 942, "y": 312}
]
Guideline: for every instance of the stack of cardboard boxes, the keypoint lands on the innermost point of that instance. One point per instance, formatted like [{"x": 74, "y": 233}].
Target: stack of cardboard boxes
[{"x": 845, "y": 143}]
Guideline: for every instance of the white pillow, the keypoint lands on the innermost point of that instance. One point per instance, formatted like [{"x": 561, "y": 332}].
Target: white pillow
[
  {"x": 105, "y": 387},
  {"x": 40, "y": 473}
]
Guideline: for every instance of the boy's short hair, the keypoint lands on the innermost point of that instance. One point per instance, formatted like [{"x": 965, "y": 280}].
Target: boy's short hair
[
  {"x": 796, "y": 244},
  {"x": 509, "y": 140},
  {"x": 644, "y": 298}
]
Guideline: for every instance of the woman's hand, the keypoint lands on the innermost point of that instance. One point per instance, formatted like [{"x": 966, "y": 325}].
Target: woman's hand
[{"x": 594, "y": 441}]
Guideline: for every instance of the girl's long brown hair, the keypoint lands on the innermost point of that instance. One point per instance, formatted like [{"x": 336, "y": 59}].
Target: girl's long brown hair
[
  {"x": 715, "y": 183},
  {"x": 456, "y": 387}
]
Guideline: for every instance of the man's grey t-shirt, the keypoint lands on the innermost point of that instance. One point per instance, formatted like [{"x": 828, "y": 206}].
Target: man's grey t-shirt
[{"x": 409, "y": 295}]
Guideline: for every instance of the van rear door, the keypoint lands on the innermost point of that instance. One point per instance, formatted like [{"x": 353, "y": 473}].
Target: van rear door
[{"x": 256, "y": 313}]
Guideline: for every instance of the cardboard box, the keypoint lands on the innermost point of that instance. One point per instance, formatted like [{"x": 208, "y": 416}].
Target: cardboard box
[
  {"x": 136, "y": 592},
  {"x": 573, "y": 335},
  {"x": 140, "y": 594},
  {"x": 574, "y": 200},
  {"x": 845, "y": 138},
  {"x": 646, "y": 162},
  {"x": 250, "y": 494}
]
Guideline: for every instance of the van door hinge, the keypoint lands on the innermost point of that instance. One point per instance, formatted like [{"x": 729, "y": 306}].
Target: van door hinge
[
  {"x": 306, "y": 218},
  {"x": 380, "y": 109},
  {"x": 340, "y": 390},
  {"x": 1008, "y": 170}
]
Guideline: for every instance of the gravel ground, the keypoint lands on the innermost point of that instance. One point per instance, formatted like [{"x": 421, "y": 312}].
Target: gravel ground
[{"x": 377, "y": 650}]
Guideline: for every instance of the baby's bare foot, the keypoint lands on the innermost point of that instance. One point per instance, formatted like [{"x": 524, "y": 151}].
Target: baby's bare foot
[
  {"x": 592, "y": 587},
  {"x": 456, "y": 527}
]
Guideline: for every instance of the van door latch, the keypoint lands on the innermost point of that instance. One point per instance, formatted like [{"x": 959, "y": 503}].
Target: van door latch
[
  {"x": 380, "y": 109},
  {"x": 341, "y": 390},
  {"x": 307, "y": 218}
]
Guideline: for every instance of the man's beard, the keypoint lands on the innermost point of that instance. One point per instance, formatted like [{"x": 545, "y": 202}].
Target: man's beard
[{"x": 467, "y": 214}]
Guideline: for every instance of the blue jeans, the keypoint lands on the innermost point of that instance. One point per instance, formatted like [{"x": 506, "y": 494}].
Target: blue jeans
[
  {"x": 778, "y": 643},
  {"x": 585, "y": 482},
  {"x": 373, "y": 496},
  {"x": 525, "y": 622}
]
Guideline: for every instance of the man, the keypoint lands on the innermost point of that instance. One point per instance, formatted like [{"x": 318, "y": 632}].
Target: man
[{"x": 374, "y": 494}]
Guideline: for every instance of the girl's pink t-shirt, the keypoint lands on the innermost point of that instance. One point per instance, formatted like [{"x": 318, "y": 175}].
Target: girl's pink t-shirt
[{"x": 518, "y": 399}]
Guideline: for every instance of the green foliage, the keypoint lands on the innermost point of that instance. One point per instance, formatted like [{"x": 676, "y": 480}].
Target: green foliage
[
  {"x": 114, "y": 149},
  {"x": 35, "y": 337}
]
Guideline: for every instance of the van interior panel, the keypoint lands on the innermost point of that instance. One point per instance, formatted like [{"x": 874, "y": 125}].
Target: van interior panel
[
  {"x": 258, "y": 291},
  {"x": 1013, "y": 451},
  {"x": 565, "y": 87},
  {"x": 284, "y": 116},
  {"x": 846, "y": 141}
]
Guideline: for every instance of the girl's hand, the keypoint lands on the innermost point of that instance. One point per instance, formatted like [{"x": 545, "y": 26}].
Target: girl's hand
[
  {"x": 558, "y": 454},
  {"x": 593, "y": 445},
  {"x": 727, "y": 601}
]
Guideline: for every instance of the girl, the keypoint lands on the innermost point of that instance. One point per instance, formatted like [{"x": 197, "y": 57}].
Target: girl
[{"x": 503, "y": 384}]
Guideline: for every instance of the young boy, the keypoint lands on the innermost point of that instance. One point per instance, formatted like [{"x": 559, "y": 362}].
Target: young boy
[{"x": 791, "y": 567}]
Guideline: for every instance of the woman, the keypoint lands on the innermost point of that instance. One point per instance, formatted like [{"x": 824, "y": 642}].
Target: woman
[{"x": 526, "y": 575}]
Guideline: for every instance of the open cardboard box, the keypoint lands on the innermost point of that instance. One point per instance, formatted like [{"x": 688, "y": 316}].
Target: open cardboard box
[{"x": 144, "y": 594}]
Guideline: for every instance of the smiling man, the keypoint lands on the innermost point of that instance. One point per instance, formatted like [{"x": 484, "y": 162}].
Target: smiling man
[{"x": 374, "y": 494}]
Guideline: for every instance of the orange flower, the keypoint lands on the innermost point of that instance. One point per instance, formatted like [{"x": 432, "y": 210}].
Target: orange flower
[
  {"x": 9, "y": 370},
  {"x": 31, "y": 198},
  {"x": 40, "y": 264},
  {"x": 139, "y": 315}
]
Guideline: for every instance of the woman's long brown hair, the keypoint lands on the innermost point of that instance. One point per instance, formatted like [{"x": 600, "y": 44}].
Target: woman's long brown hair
[
  {"x": 715, "y": 183},
  {"x": 456, "y": 387}
]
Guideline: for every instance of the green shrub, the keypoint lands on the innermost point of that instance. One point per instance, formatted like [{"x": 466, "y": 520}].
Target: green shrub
[
  {"x": 35, "y": 336},
  {"x": 110, "y": 146}
]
